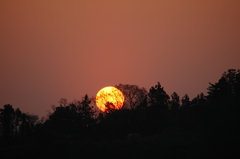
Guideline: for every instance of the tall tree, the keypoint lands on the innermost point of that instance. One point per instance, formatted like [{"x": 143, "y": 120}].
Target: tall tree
[
  {"x": 133, "y": 95},
  {"x": 226, "y": 91},
  {"x": 158, "y": 98},
  {"x": 72, "y": 118},
  {"x": 175, "y": 102},
  {"x": 18, "y": 121},
  {"x": 224, "y": 99},
  {"x": 185, "y": 102},
  {"x": 1, "y": 122},
  {"x": 27, "y": 124},
  {"x": 8, "y": 121},
  {"x": 64, "y": 119},
  {"x": 87, "y": 112},
  {"x": 16, "y": 124},
  {"x": 222, "y": 87},
  {"x": 199, "y": 102},
  {"x": 237, "y": 89}
]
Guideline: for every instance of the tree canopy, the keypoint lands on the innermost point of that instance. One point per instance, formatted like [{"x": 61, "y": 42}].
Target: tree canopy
[{"x": 166, "y": 124}]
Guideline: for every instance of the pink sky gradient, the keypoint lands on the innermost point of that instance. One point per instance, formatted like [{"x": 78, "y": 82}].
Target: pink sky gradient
[{"x": 68, "y": 48}]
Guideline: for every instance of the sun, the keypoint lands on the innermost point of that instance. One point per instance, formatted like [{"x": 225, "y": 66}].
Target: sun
[{"x": 109, "y": 98}]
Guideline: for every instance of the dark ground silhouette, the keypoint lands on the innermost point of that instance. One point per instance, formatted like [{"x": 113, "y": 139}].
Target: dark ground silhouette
[{"x": 151, "y": 125}]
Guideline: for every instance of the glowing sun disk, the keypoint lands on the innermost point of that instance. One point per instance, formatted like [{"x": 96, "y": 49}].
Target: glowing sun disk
[{"x": 109, "y": 98}]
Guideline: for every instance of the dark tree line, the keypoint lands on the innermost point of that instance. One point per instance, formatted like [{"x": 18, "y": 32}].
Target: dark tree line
[
  {"x": 166, "y": 124},
  {"x": 15, "y": 124}
]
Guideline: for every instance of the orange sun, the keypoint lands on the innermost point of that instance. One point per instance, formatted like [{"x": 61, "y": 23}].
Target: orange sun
[{"x": 109, "y": 98}]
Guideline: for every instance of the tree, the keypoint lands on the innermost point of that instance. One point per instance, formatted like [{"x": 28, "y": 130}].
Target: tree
[
  {"x": 175, "y": 102},
  {"x": 158, "y": 98},
  {"x": 27, "y": 124},
  {"x": 237, "y": 89},
  {"x": 185, "y": 102},
  {"x": 1, "y": 122},
  {"x": 224, "y": 101},
  {"x": 8, "y": 121},
  {"x": 16, "y": 124},
  {"x": 110, "y": 107},
  {"x": 72, "y": 118},
  {"x": 18, "y": 121},
  {"x": 65, "y": 119},
  {"x": 87, "y": 112},
  {"x": 133, "y": 95},
  {"x": 63, "y": 102},
  {"x": 199, "y": 102},
  {"x": 144, "y": 103},
  {"x": 226, "y": 91}
]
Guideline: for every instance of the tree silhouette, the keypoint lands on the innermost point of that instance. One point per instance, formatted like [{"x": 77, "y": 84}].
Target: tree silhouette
[
  {"x": 207, "y": 125},
  {"x": 63, "y": 102},
  {"x": 175, "y": 102},
  {"x": 27, "y": 125},
  {"x": 87, "y": 112},
  {"x": 15, "y": 124},
  {"x": 185, "y": 102},
  {"x": 226, "y": 90},
  {"x": 158, "y": 98},
  {"x": 8, "y": 122},
  {"x": 72, "y": 119},
  {"x": 199, "y": 102},
  {"x": 110, "y": 107},
  {"x": 133, "y": 95},
  {"x": 65, "y": 119},
  {"x": 223, "y": 98},
  {"x": 18, "y": 119},
  {"x": 237, "y": 89},
  {"x": 1, "y": 122}
]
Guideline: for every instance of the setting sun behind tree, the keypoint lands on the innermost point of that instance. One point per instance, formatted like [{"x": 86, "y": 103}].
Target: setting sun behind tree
[{"x": 109, "y": 98}]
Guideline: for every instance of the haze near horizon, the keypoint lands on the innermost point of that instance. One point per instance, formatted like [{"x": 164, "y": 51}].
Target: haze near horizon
[{"x": 54, "y": 49}]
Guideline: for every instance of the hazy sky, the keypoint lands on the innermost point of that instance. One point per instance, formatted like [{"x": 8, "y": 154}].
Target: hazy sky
[{"x": 68, "y": 48}]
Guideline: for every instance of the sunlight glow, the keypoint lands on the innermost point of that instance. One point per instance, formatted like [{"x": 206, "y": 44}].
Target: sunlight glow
[{"x": 110, "y": 96}]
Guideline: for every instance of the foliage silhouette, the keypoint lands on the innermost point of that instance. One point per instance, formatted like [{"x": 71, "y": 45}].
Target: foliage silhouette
[
  {"x": 185, "y": 102},
  {"x": 71, "y": 120},
  {"x": 175, "y": 102},
  {"x": 158, "y": 98},
  {"x": 133, "y": 95},
  {"x": 151, "y": 125},
  {"x": 16, "y": 127}
]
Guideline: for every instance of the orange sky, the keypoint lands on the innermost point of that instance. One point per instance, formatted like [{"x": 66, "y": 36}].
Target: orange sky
[{"x": 68, "y": 48}]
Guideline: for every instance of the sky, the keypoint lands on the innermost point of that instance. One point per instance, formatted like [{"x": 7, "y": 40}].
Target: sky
[{"x": 51, "y": 49}]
